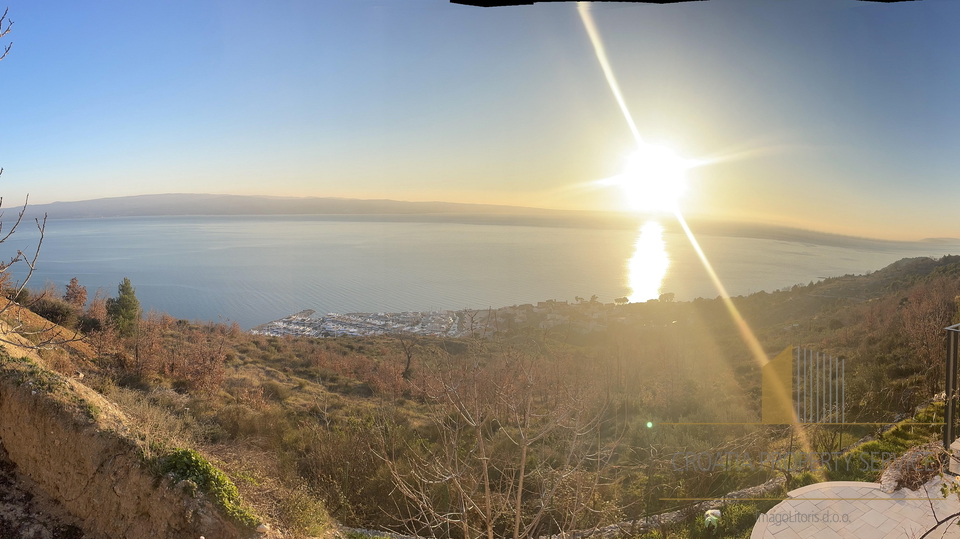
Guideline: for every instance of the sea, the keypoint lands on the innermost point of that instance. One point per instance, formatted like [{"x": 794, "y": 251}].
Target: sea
[{"x": 252, "y": 270}]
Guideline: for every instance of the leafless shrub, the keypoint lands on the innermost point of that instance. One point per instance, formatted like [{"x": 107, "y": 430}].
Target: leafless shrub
[{"x": 513, "y": 448}]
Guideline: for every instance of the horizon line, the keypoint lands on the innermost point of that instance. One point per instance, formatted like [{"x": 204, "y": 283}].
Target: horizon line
[{"x": 531, "y": 211}]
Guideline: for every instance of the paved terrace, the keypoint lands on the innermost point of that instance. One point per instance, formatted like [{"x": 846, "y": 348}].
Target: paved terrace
[{"x": 854, "y": 509}]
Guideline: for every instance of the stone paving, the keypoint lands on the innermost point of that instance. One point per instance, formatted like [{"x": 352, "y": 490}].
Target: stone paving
[{"x": 853, "y": 509}]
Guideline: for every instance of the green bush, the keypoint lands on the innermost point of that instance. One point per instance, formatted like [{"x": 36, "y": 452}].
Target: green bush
[
  {"x": 56, "y": 310},
  {"x": 21, "y": 297},
  {"x": 801, "y": 480},
  {"x": 737, "y": 521},
  {"x": 87, "y": 324},
  {"x": 738, "y": 517},
  {"x": 188, "y": 465},
  {"x": 866, "y": 462}
]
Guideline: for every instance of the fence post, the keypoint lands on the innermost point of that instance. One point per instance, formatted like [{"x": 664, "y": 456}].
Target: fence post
[{"x": 950, "y": 389}]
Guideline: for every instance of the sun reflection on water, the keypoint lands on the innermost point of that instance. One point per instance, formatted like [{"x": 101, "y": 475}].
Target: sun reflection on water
[{"x": 648, "y": 266}]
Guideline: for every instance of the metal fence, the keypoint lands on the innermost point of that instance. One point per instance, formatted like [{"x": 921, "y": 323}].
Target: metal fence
[
  {"x": 950, "y": 389},
  {"x": 819, "y": 393}
]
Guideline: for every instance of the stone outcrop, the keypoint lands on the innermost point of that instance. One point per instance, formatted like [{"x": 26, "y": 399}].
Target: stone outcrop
[{"x": 912, "y": 469}]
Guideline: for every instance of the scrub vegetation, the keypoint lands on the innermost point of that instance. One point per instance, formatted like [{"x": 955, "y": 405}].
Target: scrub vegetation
[{"x": 531, "y": 433}]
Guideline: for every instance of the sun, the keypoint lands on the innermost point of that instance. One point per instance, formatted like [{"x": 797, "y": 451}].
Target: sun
[{"x": 653, "y": 179}]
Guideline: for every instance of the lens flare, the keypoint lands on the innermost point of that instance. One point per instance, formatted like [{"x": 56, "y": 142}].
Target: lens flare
[
  {"x": 759, "y": 356},
  {"x": 601, "y": 53}
]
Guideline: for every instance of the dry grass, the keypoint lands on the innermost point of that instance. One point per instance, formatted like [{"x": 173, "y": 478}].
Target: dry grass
[
  {"x": 32, "y": 329},
  {"x": 257, "y": 472},
  {"x": 33, "y": 323},
  {"x": 919, "y": 465},
  {"x": 158, "y": 424}
]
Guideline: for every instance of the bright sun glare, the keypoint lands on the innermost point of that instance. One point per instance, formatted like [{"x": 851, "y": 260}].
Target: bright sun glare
[
  {"x": 648, "y": 265},
  {"x": 653, "y": 179}
]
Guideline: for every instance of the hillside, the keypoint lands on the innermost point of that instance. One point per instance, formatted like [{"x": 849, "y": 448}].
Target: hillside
[
  {"x": 347, "y": 209},
  {"x": 74, "y": 465},
  {"x": 315, "y": 432}
]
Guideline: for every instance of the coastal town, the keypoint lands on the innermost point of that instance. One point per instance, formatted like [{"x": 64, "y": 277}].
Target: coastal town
[
  {"x": 304, "y": 324},
  {"x": 582, "y": 316}
]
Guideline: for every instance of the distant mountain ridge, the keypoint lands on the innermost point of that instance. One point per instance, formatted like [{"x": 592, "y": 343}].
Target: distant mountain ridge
[
  {"x": 349, "y": 209},
  {"x": 207, "y": 204}
]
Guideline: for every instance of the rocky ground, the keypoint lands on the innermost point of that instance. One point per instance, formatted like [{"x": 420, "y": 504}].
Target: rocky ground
[{"x": 27, "y": 513}]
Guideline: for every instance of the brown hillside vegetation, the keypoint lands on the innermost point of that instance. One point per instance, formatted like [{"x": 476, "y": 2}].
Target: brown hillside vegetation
[
  {"x": 528, "y": 434},
  {"x": 82, "y": 452},
  {"x": 23, "y": 326}
]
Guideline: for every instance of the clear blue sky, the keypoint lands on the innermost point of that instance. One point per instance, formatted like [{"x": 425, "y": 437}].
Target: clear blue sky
[{"x": 843, "y": 116}]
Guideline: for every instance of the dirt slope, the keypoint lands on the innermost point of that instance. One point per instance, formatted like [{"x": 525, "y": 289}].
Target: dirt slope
[
  {"x": 27, "y": 512},
  {"x": 80, "y": 450}
]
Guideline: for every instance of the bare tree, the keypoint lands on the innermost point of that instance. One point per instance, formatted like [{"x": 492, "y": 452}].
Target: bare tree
[
  {"x": 408, "y": 352},
  {"x": 929, "y": 308},
  {"x": 513, "y": 448},
  {"x": 36, "y": 334},
  {"x": 10, "y": 310}
]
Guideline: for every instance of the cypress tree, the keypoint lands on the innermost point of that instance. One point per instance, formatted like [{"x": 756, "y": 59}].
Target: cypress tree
[{"x": 125, "y": 308}]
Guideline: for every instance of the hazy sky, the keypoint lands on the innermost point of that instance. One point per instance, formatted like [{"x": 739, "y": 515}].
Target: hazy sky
[{"x": 837, "y": 115}]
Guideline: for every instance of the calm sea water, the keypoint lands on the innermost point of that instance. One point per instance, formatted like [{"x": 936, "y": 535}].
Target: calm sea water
[{"x": 256, "y": 269}]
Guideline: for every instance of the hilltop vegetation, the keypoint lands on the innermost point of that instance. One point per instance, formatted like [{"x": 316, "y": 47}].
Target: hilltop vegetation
[{"x": 532, "y": 433}]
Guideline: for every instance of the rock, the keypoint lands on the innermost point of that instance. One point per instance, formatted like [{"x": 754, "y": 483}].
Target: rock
[
  {"x": 888, "y": 482},
  {"x": 263, "y": 528}
]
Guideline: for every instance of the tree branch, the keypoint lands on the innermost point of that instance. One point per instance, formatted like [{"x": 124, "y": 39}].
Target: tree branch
[{"x": 3, "y": 33}]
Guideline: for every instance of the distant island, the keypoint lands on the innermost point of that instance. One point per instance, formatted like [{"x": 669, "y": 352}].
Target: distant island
[{"x": 349, "y": 209}]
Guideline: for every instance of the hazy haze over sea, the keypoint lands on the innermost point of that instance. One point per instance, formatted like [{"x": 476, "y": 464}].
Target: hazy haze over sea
[{"x": 256, "y": 269}]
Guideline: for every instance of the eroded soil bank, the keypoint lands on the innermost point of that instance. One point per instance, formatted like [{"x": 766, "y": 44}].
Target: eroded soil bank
[
  {"x": 81, "y": 451},
  {"x": 27, "y": 512}
]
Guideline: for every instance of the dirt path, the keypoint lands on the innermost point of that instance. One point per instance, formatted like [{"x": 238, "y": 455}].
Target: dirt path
[{"x": 25, "y": 512}]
